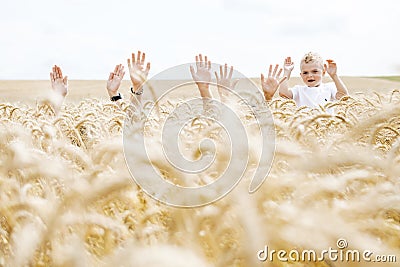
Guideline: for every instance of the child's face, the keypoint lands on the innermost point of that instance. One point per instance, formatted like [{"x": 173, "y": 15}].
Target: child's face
[{"x": 312, "y": 73}]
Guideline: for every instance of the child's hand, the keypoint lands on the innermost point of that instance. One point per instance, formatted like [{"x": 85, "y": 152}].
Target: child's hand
[
  {"x": 114, "y": 80},
  {"x": 202, "y": 75},
  {"x": 203, "y": 70},
  {"x": 271, "y": 84},
  {"x": 59, "y": 84},
  {"x": 331, "y": 69},
  {"x": 136, "y": 70},
  {"x": 288, "y": 66},
  {"x": 224, "y": 82}
]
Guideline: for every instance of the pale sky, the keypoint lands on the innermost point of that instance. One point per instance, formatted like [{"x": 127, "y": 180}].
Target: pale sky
[{"x": 88, "y": 38}]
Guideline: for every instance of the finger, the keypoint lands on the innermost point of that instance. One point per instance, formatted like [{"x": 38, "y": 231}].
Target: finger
[
  {"x": 147, "y": 68},
  {"x": 262, "y": 78},
  {"x": 197, "y": 62},
  {"x": 209, "y": 65},
  {"x": 122, "y": 74},
  {"x": 133, "y": 59},
  {"x": 51, "y": 77},
  {"x": 279, "y": 72},
  {"x": 57, "y": 71},
  {"x": 139, "y": 53},
  {"x": 60, "y": 72},
  {"x": 116, "y": 69},
  {"x": 143, "y": 57},
  {"x": 65, "y": 80},
  {"x": 230, "y": 73},
  {"x": 275, "y": 69},
  {"x": 221, "y": 73},
  {"x": 129, "y": 63},
  {"x": 270, "y": 70},
  {"x": 110, "y": 77},
  {"x": 216, "y": 76},
  {"x": 225, "y": 70},
  {"x": 282, "y": 79},
  {"x": 205, "y": 61},
  {"x": 201, "y": 60},
  {"x": 60, "y": 75}
]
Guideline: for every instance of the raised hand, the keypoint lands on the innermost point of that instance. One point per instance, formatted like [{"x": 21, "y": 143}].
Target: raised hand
[
  {"x": 59, "y": 84},
  {"x": 137, "y": 71},
  {"x": 271, "y": 84},
  {"x": 224, "y": 81},
  {"x": 114, "y": 80},
  {"x": 202, "y": 75},
  {"x": 331, "y": 69},
  {"x": 288, "y": 66}
]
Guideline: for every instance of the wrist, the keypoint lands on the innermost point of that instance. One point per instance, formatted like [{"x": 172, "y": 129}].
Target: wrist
[
  {"x": 112, "y": 93},
  {"x": 334, "y": 76},
  {"x": 203, "y": 86},
  {"x": 116, "y": 97},
  {"x": 267, "y": 96},
  {"x": 137, "y": 92}
]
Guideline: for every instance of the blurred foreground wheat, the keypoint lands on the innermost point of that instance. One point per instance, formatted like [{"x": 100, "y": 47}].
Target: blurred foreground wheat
[{"x": 67, "y": 198}]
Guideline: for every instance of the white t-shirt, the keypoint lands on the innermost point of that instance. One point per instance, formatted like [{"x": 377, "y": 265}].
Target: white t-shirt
[{"x": 312, "y": 97}]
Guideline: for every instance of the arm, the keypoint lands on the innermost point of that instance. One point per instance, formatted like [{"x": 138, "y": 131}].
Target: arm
[
  {"x": 202, "y": 77},
  {"x": 271, "y": 84},
  {"x": 59, "y": 84},
  {"x": 114, "y": 81},
  {"x": 287, "y": 71},
  {"x": 340, "y": 86},
  {"x": 138, "y": 75},
  {"x": 224, "y": 81}
]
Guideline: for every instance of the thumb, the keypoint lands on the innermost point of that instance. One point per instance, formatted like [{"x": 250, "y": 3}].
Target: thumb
[
  {"x": 282, "y": 79},
  {"x": 216, "y": 77}
]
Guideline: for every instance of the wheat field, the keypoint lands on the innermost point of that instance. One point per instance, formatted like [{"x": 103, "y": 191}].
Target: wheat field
[{"x": 67, "y": 197}]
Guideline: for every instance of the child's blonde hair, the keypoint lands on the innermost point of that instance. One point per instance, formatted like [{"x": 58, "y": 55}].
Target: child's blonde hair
[{"x": 311, "y": 57}]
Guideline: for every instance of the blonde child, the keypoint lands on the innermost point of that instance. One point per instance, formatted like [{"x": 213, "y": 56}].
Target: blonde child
[{"x": 314, "y": 92}]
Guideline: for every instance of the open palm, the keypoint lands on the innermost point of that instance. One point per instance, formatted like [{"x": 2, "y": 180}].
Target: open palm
[
  {"x": 202, "y": 75},
  {"x": 137, "y": 71},
  {"x": 59, "y": 84},
  {"x": 272, "y": 82},
  {"x": 114, "y": 80}
]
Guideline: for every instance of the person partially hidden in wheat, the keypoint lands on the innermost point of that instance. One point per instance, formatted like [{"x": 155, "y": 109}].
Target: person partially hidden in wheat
[
  {"x": 59, "y": 86},
  {"x": 314, "y": 92},
  {"x": 138, "y": 74}
]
